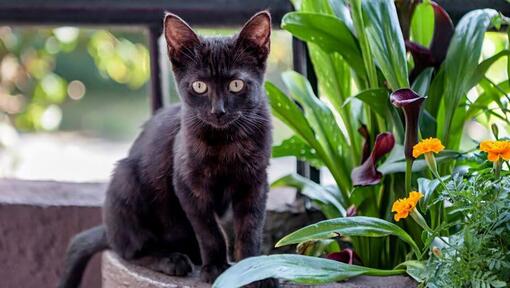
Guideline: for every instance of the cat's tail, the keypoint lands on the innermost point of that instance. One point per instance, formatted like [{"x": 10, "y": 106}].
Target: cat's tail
[{"x": 81, "y": 248}]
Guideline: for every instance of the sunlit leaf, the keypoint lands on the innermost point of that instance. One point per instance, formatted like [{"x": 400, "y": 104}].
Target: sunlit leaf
[
  {"x": 313, "y": 191},
  {"x": 328, "y": 32},
  {"x": 386, "y": 41},
  {"x": 295, "y": 146},
  {"x": 348, "y": 226},
  {"x": 295, "y": 268}
]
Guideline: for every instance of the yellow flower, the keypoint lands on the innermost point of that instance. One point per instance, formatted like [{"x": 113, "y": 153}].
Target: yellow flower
[
  {"x": 496, "y": 150},
  {"x": 427, "y": 146},
  {"x": 404, "y": 206}
]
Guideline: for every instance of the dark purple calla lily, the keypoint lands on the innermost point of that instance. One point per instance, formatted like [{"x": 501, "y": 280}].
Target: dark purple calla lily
[
  {"x": 347, "y": 255},
  {"x": 367, "y": 174},
  {"x": 410, "y": 103},
  {"x": 433, "y": 56},
  {"x": 405, "y": 10},
  {"x": 351, "y": 211},
  {"x": 363, "y": 130}
]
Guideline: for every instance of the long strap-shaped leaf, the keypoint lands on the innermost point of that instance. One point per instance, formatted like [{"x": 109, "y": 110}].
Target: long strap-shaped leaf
[
  {"x": 349, "y": 226},
  {"x": 386, "y": 41},
  {"x": 323, "y": 123},
  {"x": 329, "y": 33},
  {"x": 461, "y": 63},
  {"x": 296, "y": 268}
]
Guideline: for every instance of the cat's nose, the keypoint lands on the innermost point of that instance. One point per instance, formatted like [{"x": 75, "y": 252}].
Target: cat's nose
[
  {"x": 218, "y": 109},
  {"x": 218, "y": 112}
]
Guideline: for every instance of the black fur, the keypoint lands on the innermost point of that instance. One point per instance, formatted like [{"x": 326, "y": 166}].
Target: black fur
[
  {"x": 82, "y": 247},
  {"x": 191, "y": 162}
]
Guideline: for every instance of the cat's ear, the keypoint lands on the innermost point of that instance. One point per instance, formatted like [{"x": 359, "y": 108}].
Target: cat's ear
[
  {"x": 257, "y": 31},
  {"x": 179, "y": 35}
]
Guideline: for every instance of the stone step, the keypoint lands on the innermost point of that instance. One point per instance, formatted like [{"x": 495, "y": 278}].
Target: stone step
[{"x": 118, "y": 273}]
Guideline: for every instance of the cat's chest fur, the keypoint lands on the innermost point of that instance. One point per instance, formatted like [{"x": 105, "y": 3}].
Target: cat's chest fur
[{"x": 212, "y": 166}]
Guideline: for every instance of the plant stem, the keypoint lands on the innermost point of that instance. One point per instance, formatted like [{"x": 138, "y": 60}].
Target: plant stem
[
  {"x": 378, "y": 272},
  {"x": 359, "y": 26},
  {"x": 409, "y": 175}
]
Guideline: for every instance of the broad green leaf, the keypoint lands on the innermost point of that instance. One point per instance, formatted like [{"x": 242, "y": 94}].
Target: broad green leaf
[
  {"x": 427, "y": 188},
  {"x": 295, "y": 268},
  {"x": 295, "y": 146},
  {"x": 333, "y": 75},
  {"x": 482, "y": 102},
  {"x": 324, "y": 125},
  {"x": 313, "y": 191},
  {"x": 334, "y": 81},
  {"x": 386, "y": 41},
  {"x": 377, "y": 99},
  {"x": 328, "y": 32},
  {"x": 415, "y": 269},
  {"x": 332, "y": 71},
  {"x": 435, "y": 93},
  {"x": 484, "y": 66},
  {"x": 422, "y": 24},
  {"x": 337, "y": 8},
  {"x": 318, "y": 248},
  {"x": 461, "y": 63},
  {"x": 348, "y": 226},
  {"x": 422, "y": 82},
  {"x": 290, "y": 114}
]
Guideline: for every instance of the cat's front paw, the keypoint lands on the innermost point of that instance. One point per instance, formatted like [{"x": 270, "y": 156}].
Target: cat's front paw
[
  {"x": 266, "y": 283},
  {"x": 176, "y": 264},
  {"x": 210, "y": 272}
]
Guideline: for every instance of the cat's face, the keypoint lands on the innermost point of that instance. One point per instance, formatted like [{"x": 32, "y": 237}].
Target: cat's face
[{"x": 219, "y": 78}]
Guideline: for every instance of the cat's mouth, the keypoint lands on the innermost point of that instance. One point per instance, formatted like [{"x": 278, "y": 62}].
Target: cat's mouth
[{"x": 220, "y": 122}]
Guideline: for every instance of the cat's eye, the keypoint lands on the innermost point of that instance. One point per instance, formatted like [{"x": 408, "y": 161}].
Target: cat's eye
[
  {"x": 199, "y": 87},
  {"x": 236, "y": 85}
]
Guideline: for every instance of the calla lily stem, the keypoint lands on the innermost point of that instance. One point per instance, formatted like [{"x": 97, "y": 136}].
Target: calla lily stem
[{"x": 409, "y": 174}]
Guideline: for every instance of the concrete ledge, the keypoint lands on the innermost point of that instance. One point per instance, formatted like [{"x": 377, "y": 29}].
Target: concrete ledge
[
  {"x": 118, "y": 273},
  {"x": 37, "y": 220}
]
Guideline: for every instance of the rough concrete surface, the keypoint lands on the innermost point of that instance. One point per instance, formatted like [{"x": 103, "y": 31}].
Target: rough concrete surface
[
  {"x": 120, "y": 274},
  {"x": 37, "y": 220}
]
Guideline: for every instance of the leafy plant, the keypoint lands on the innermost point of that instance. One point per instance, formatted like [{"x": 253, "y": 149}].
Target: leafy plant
[
  {"x": 358, "y": 50},
  {"x": 478, "y": 255},
  {"x": 367, "y": 48}
]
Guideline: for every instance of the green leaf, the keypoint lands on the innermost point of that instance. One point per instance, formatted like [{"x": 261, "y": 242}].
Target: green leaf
[
  {"x": 427, "y": 188},
  {"x": 290, "y": 114},
  {"x": 415, "y": 269},
  {"x": 295, "y": 268},
  {"x": 484, "y": 66},
  {"x": 313, "y": 191},
  {"x": 328, "y": 32},
  {"x": 461, "y": 63},
  {"x": 396, "y": 162},
  {"x": 337, "y": 8},
  {"x": 324, "y": 124},
  {"x": 295, "y": 146},
  {"x": 348, "y": 226},
  {"x": 422, "y": 24},
  {"x": 386, "y": 41},
  {"x": 333, "y": 75},
  {"x": 487, "y": 97},
  {"x": 377, "y": 99},
  {"x": 422, "y": 82}
]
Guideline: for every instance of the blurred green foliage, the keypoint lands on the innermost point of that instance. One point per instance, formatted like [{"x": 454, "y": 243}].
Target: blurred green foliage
[{"x": 32, "y": 91}]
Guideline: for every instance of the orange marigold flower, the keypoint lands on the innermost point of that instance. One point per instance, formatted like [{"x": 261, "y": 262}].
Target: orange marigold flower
[
  {"x": 496, "y": 150},
  {"x": 404, "y": 206},
  {"x": 426, "y": 146}
]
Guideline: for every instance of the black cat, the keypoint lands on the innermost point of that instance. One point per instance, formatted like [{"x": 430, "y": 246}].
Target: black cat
[{"x": 191, "y": 162}]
